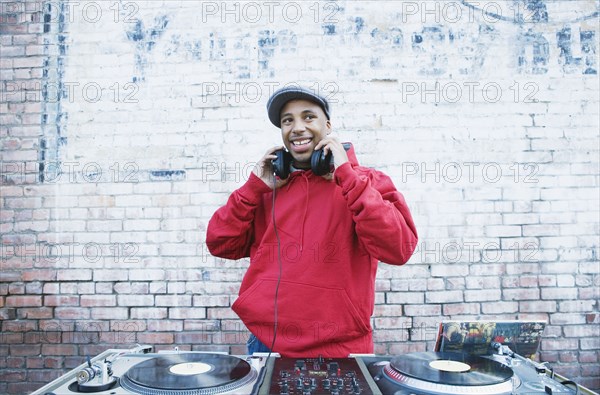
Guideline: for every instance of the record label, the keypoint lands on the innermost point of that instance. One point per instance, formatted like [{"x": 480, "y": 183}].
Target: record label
[
  {"x": 448, "y": 365},
  {"x": 187, "y": 368}
]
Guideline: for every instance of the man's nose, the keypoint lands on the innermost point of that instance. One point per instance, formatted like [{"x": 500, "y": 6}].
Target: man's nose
[{"x": 298, "y": 127}]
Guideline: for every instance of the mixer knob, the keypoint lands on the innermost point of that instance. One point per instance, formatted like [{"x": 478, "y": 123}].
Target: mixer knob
[{"x": 284, "y": 389}]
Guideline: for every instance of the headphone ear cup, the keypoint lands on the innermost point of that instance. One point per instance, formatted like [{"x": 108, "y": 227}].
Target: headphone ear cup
[
  {"x": 320, "y": 163},
  {"x": 281, "y": 165}
]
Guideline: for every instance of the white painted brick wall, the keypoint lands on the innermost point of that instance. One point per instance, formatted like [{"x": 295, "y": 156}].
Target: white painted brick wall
[{"x": 488, "y": 126}]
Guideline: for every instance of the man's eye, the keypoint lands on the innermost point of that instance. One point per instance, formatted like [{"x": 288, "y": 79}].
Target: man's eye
[
  {"x": 286, "y": 120},
  {"x": 309, "y": 116}
]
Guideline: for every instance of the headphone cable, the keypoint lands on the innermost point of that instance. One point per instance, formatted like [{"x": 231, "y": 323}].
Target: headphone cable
[
  {"x": 275, "y": 309},
  {"x": 261, "y": 376}
]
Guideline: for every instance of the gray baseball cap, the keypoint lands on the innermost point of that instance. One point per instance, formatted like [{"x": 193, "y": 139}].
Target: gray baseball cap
[{"x": 280, "y": 97}]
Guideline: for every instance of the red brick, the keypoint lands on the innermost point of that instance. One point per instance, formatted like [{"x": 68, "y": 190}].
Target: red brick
[
  {"x": 382, "y": 285},
  {"x": 12, "y": 375},
  {"x": 35, "y": 313},
  {"x": 423, "y": 310},
  {"x": 131, "y": 288},
  {"x": 72, "y": 313},
  {"x": 24, "y": 387},
  {"x": 567, "y": 356},
  {"x": 126, "y": 325},
  {"x": 155, "y": 338},
  {"x": 210, "y": 300},
  {"x": 194, "y": 337},
  {"x": 12, "y": 338},
  {"x": 559, "y": 344},
  {"x": 110, "y": 275},
  {"x": 405, "y": 348},
  {"x": 72, "y": 362},
  {"x": 195, "y": 313},
  {"x": 217, "y": 313},
  {"x": 573, "y": 306},
  {"x": 39, "y": 275},
  {"x": 392, "y": 322},
  {"x": 18, "y": 326},
  {"x": 582, "y": 331},
  {"x": 521, "y": 294},
  {"x": 407, "y": 297},
  {"x": 173, "y": 300},
  {"x": 388, "y": 310},
  {"x": 534, "y": 306},
  {"x": 53, "y": 362},
  {"x": 75, "y": 275},
  {"x": 549, "y": 356},
  {"x": 15, "y": 362},
  {"x": 590, "y": 382},
  {"x": 35, "y": 362},
  {"x": 43, "y": 375},
  {"x": 380, "y": 349},
  {"x": 25, "y": 349},
  {"x": 590, "y": 344},
  {"x": 61, "y": 300},
  {"x": 150, "y": 313},
  {"x": 461, "y": 309},
  {"x": 589, "y": 293},
  {"x": 165, "y": 325},
  {"x": 559, "y": 293},
  {"x": 135, "y": 300},
  {"x": 15, "y": 29},
  {"x": 588, "y": 357},
  {"x": 528, "y": 281},
  {"x": 98, "y": 300},
  {"x": 58, "y": 349},
  {"x": 500, "y": 308},
  {"x": 29, "y": 61},
  {"x": 106, "y": 313},
  {"x": 23, "y": 301},
  {"x": 209, "y": 325},
  {"x": 236, "y": 337},
  {"x": 483, "y": 295},
  {"x": 388, "y": 336}
]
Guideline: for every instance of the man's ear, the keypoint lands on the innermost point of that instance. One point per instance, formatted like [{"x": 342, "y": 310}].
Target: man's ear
[{"x": 328, "y": 125}]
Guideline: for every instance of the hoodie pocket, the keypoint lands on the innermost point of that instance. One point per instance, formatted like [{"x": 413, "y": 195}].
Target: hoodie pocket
[{"x": 307, "y": 314}]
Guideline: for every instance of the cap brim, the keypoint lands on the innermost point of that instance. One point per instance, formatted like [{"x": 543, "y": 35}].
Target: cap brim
[{"x": 279, "y": 100}]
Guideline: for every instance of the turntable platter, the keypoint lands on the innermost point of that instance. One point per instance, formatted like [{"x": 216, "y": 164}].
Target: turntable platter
[
  {"x": 478, "y": 370},
  {"x": 196, "y": 374},
  {"x": 449, "y": 373}
]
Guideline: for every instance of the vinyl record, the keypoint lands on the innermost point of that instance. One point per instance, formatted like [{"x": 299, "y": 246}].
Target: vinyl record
[
  {"x": 187, "y": 371},
  {"x": 451, "y": 368}
]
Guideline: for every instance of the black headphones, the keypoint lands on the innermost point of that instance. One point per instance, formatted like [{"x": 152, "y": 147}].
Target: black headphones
[{"x": 320, "y": 164}]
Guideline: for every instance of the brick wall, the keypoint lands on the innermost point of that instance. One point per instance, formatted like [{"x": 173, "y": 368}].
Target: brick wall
[{"x": 125, "y": 124}]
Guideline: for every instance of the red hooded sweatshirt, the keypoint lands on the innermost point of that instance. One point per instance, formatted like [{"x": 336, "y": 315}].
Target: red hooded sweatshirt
[{"x": 332, "y": 235}]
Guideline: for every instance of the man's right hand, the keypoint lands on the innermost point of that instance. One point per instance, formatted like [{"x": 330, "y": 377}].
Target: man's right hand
[{"x": 264, "y": 169}]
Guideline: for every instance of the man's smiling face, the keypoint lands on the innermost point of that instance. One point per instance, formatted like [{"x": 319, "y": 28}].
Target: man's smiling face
[{"x": 303, "y": 125}]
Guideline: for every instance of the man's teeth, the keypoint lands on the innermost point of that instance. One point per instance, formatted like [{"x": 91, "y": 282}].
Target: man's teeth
[{"x": 301, "y": 142}]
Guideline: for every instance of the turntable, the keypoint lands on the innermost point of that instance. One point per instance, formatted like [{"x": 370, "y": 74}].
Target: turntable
[
  {"x": 436, "y": 373},
  {"x": 136, "y": 371}
]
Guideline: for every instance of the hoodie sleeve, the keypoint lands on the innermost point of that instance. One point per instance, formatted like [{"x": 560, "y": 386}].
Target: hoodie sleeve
[
  {"x": 230, "y": 231},
  {"x": 383, "y": 221}
]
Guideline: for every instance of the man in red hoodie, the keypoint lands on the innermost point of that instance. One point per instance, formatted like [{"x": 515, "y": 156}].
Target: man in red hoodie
[{"x": 314, "y": 241}]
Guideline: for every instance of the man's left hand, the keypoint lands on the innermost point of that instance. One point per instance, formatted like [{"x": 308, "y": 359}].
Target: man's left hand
[{"x": 333, "y": 145}]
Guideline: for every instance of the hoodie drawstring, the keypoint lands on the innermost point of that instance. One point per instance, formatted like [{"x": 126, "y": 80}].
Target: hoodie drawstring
[{"x": 305, "y": 177}]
